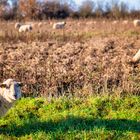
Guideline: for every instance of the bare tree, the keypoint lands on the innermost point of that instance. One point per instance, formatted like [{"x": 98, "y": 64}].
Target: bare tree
[
  {"x": 123, "y": 9},
  {"x": 99, "y": 10},
  {"x": 107, "y": 10},
  {"x": 86, "y": 9},
  {"x": 3, "y": 8},
  {"x": 55, "y": 9},
  {"x": 115, "y": 11},
  {"x": 28, "y": 8}
]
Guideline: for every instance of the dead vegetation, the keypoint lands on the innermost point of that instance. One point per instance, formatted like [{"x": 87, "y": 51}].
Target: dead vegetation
[{"x": 80, "y": 60}]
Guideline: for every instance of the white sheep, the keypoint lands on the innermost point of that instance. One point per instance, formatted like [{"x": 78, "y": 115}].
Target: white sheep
[
  {"x": 25, "y": 28},
  {"x": 115, "y": 22},
  {"x": 9, "y": 93},
  {"x": 125, "y": 22},
  {"x": 17, "y": 25},
  {"x": 136, "y": 57},
  {"x": 136, "y": 22},
  {"x": 40, "y": 24},
  {"x": 59, "y": 25},
  {"x": 94, "y": 22}
]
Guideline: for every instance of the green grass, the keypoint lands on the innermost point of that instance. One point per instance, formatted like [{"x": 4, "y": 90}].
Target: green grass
[{"x": 73, "y": 119}]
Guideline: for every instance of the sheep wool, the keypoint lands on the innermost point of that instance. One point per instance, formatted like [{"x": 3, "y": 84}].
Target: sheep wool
[
  {"x": 136, "y": 22},
  {"x": 9, "y": 92},
  {"x": 25, "y": 28},
  {"x": 136, "y": 57},
  {"x": 59, "y": 25}
]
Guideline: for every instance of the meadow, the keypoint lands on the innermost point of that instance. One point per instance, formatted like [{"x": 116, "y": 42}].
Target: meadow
[
  {"x": 79, "y": 82},
  {"x": 96, "y": 118}
]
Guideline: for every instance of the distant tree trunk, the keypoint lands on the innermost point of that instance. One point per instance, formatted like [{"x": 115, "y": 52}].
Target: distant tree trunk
[
  {"x": 28, "y": 9},
  {"x": 3, "y": 6},
  {"x": 86, "y": 9}
]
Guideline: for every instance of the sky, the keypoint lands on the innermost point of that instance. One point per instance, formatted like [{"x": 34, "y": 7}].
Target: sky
[{"x": 132, "y": 4}]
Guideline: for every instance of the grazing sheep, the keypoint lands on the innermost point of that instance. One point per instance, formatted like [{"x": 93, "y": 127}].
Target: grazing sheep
[
  {"x": 136, "y": 57},
  {"x": 9, "y": 93},
  {"x": 17, "y": 25},
  {"x": 40, "y": 24},
  {"x": 89, "y": 23},
  {"x": 125, "y": 22},
  {"x": 59, "y": 25},
  {"x": 94, "y": 22},
  {"x": 25, "y": 28},
  {"x": 136, "y": 22},
  {"x": 115, "y": 22}
]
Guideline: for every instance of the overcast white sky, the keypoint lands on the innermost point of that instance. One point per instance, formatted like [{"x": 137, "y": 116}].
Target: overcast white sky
[
  {"x": 135, "y": 4},
  {"x": 132, "y": 4}
]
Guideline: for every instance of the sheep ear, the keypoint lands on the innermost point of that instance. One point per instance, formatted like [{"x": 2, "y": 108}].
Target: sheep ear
[
  {"x": 20, "y": 84},
  {"x": 3, "y": 85}
]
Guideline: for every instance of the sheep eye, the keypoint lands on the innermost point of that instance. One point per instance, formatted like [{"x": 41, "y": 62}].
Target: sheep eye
[
  {"x": 7, "y": 87},
  {"x": 19, "y": 84},
  {"x": 3, "y": 86}
]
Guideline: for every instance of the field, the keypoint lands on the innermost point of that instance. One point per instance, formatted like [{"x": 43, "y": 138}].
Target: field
[
  {"x": 87, "y": 55},
  {"x": 84, "y": 74},
  {"x": 96, "y": 118}
]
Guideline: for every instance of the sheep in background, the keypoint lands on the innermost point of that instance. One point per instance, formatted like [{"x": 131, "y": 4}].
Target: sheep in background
[
  {"x": 40, "y": 24},
  {"x": 17, "y": 25},
  {"x": 9, "y": 93},
  {"x": 136, "y": 57},
  {"x": 125, "y": 22},
  {"x": 115, "y": 22},
  {"x": 103, "y": 21},
  {"x": 136, "y": 22},
  {"x": 94, "y": 22},
  {"x": 25, "y": 28},
  {"x": 59, "y": 25}
]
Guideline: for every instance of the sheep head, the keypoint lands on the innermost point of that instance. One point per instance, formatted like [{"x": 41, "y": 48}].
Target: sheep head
[
  {"x": 11, "y": 90},
  {"x": 18, "y": 25},
  {"x": 136, "y": 57}
]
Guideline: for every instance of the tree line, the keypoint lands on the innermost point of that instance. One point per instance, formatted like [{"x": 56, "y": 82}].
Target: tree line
[{"x": 49, "y": 9}]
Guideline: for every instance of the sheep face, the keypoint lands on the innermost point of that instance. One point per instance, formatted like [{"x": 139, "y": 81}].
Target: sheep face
[
  {"x": 64, "y": 22},
  {"x": 11, "y": 90},
  {"x": 30, "y": 28},
  {"x": 17, "y": 25}
]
